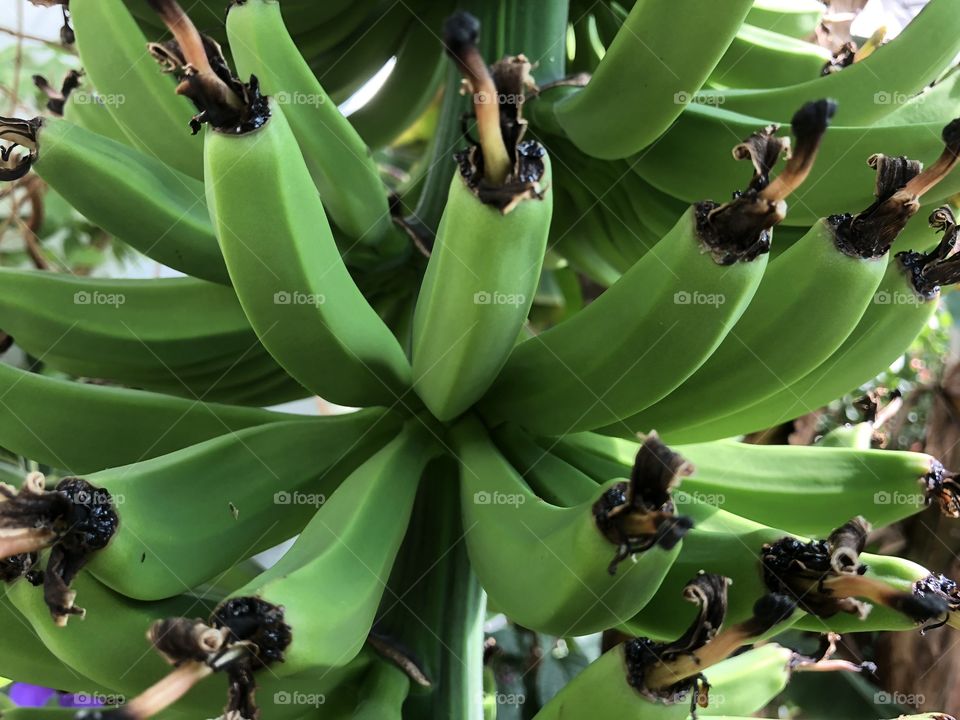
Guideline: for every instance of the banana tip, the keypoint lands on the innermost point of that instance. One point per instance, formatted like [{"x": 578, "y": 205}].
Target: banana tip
[
  {"x": 460, "y": 32},
  {"x": 812, "y": 119}
]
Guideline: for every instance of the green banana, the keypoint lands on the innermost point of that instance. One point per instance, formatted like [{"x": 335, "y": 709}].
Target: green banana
[
  {"x": 382, "y": 694},
  {"x": 231, "y": 520},
  {"x": 140, "y": 99},
  {"x": 137, "y": 198},
  {"x": 275, "y": 618},
  {"x": 709, "y": 265},
  {"x": 84, "y": 427},
  {"x": 555, "y": 569},
  {"x": 796, "y": 18},
  {"x": 806, "y": 490},
  {"x": 88, "y": 110},
  {"x": 759, "y": 58},
  {"x": 130, "y": 665},
  {"x": 485, "y": 264},
  {"x": 866, "y": 90},
  {"x": 614, "y": 116},
  {"x": 734, "y": 546},
  {"x": 903, "y": 305},
  {"x": 24, "y": 657},
  {"x": 410, "y": 87},
  {"x": 287, "y": 271},
  {"x": 338, "y": 159},
  {"x": 146, "y": 333},
  {"x": 651, "y": 680},
  {"x": 757, "y": 358},
  {"x": 270, "y": 511},
  {"x": 674, "y": 165}
]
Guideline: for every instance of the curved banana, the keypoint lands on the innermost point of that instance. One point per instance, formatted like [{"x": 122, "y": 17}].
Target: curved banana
[
  {"x": 410, "y": 87},
  {"x": 555, "y": 569},
  {"x": 139, "y": 199},
  {"x": 759, "y": 58},
  {"x": 609, "y": 361},
  {"x": 902, "y": 306},
  {"x": 808, "y": 490},
  {"x": 825, "y": 577},
  {"x": 272, "y": 624},
  {"x": 614, "y": 116},
  {"x": 899, "y": 69},
  {"x": 288, "y": 274},
  {"x": 796, "y": 18},
  {"x": 181, "y": 336},
  {"x": 140, "y": 99},
  {"x": 485, "y": 264},
  {"x": 648, "y": 679},
  {"x": 338, "y": 159},
  {"x": 758, "y": 359},
  {"x": 674, "y": 165},
  {"x": 84, "y": 427}
]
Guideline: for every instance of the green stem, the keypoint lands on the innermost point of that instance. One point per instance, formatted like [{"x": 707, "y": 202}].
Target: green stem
[
  {"x": 435, "y": 604},
  {"x": 539, "y": 31},
  {"x": 448, "y": 137}
]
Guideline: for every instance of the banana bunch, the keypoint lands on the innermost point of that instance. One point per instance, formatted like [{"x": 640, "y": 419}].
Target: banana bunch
[{"x": 491, "y": 461}]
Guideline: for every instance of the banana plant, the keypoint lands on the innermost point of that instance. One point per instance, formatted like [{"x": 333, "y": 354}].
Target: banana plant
[{"x": 578, "y": 471}]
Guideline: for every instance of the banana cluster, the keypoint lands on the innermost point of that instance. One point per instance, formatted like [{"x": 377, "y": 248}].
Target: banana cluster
[{"x": 492, "y": 460}]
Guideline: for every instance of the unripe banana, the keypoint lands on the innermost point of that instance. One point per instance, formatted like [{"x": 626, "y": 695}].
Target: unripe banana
[
  {"x": 339, "y": 162},
  {"x": 134, "y": 196},
  {"x": 88, "y": 110},
  {"x": 139, "y": 97},
  {"x": 228, "y": 518},
  {"x": 615, "y": 116},
  {"x": 411, "y": 86},
  {"x": 796, "y": 18},
  {"x": 485, "y": 264},
  {"x": 646, "y": 679},
  {"x": 273, "y": 624},
  {"x": 899, "y": 69},
  {"x": 558, "y": 569},
  {"x": 825, "y": 577},
  {"x": 759, "y": 58},
  {"x": 24, "y": 657},
  {"x": 758, "y": 359},
  {"x": 835, "y": 184},
  {"x": 705, "y": 271},
  {"x": 181, "y": 336},
  {"x": 84, "y": 427},
  {"x": 130, "y": 665},
  {"x": 905, "y": 301},
  {"x": 288, "y": 273},
  {"x": 806, "y": 490}
]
